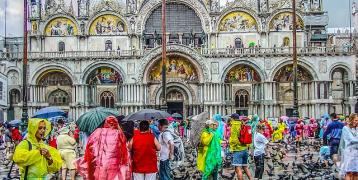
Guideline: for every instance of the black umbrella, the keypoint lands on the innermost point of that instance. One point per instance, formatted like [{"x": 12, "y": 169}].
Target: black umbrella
[{"x": 147, "y": 114}]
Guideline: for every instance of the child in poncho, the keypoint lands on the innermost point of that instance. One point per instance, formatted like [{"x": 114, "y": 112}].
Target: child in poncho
[{"x": 324, "y": 154}]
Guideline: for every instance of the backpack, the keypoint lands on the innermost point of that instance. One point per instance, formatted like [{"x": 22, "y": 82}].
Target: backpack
[
  {"x": 245, "y": 134},
  {"x": 179, "y": 153}
]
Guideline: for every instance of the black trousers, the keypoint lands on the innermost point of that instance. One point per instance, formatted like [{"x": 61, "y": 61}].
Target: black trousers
[{"x": 259, "y": 165}]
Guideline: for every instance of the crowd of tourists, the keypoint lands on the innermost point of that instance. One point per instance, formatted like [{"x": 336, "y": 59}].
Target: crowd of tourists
[{"x": 151, "y": 149}]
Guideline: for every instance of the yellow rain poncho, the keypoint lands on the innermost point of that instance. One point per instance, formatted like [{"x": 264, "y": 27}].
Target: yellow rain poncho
[
  {"x": 205, "y": 140},
  {"x": 278, "y": 133},
  {"x": 38, "y": 167}
]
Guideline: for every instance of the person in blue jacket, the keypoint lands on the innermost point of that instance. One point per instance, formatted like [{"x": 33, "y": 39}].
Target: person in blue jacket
[{"x": 334, "y": 130}]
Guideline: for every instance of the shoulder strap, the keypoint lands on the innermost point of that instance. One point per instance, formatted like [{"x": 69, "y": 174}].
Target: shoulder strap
[{"x": 27, "y": 167}]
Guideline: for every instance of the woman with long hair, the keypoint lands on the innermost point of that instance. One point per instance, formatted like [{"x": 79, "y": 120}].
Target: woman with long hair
[{"x": 349, "y": 148}]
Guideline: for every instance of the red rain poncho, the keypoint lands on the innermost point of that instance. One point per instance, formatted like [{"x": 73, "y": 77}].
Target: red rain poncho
[{"x": 106, "y": 156}]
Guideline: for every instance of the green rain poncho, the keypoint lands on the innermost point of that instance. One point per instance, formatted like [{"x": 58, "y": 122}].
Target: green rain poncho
[
  {"x": 213, "y": 157},
  {"x": 38, "y": 165},
  {"x": 253, "y": 123}
]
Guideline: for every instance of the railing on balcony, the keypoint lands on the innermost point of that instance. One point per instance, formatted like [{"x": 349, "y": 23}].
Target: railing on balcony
[
  {"x": 277, "y": 50},
  {"x": 203, "y": 51},
  {"x": 73, "y": 54}
]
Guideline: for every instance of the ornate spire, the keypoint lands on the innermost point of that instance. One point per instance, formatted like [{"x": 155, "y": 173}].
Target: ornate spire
[{"x": 71, "y": 10}]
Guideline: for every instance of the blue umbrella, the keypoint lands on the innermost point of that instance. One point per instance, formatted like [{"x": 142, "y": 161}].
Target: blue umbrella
[
  {"x": 15, "y": 122},
  {"x": 49, "y": 112}
]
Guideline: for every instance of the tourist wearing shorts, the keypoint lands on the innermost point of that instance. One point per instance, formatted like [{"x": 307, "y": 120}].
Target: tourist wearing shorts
[
  {"x": 66, "y": 144},
  {"x": 240, "y": 151},
  {"x": 144, "y": 147}
]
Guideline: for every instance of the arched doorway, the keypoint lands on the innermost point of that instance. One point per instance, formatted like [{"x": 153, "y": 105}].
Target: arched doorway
[
  {"x": 54, "y": 87},
  {"x": 59, "y": 97},
  {"x": 175, "y": 102},
  {"x": 240, "y": 80},
  {"x": 340, "y": 90},
  {"x": 242, "y": 102},
  {"x": 284, "y": 89},
  {"x": 103, "y": 87},
  {"x": 14, "y": 100},
  {"x": 107, "y": 99}
]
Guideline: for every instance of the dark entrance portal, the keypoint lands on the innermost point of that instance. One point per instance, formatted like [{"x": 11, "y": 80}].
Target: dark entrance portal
[{"x": 175, "y": 107}]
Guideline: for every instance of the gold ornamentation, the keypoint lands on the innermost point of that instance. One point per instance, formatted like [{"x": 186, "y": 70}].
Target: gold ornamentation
[
  {"x": 61, "y": 27},
  {"x": 238, "y": 21}
]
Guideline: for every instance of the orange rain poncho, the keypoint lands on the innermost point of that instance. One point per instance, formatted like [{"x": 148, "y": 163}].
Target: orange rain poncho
[{"x": 38, "y": 165}]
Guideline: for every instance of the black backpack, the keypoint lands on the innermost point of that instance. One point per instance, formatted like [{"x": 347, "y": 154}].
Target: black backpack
[{"x": 26, "y": 168}]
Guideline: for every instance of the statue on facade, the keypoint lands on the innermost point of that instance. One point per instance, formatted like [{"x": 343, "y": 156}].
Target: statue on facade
[
  {"x": 214, "y": 5},
  {"x": 83, "y": 8},
  {"x": 263, "y": 23},
  {"x": 316, "y": 5},
  {"x": 305, "y": 5},
  {"x": 156, "y": 37},
  {"x": 263, "y": 5},
  {"x": 50, "y": 4},
  {"x": 213, "y": 22},
  {"x": 132, "y": 6},
  {"x": 191, "y": 37},
  {"x": 82, "y": 27},
  {"x": 203, "y": 37},
  {"x": 132, "y": 23},
  {"x": 34, "y": 13}
]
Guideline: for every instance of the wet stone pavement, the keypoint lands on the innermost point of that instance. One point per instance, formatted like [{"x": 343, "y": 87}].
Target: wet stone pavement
[{"x": 284, "y": 161}]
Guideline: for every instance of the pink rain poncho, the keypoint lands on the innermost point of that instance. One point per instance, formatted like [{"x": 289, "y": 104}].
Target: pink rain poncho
[{"x": 106, "y": 156}]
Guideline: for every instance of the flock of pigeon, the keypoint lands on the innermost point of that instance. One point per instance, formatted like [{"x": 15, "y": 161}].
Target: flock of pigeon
[{"x": 283, "y": 161}]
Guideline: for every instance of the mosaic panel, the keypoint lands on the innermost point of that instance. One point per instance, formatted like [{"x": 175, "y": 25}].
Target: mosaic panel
[{"x": 238, "y": 22}]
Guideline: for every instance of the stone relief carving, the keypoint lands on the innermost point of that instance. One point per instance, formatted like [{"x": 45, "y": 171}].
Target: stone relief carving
[
  {"x": 107, "y": 5},
  {"x": 13, "y": 77},
  {"x": 34, "y": 10},
  {"x": 83, "y": 8},
  {"x": 263, "y": 5},
  {"x": 132, "y": 6},
  {"x": 323, "y": 66},
  {"x": 132, "y": 24}
]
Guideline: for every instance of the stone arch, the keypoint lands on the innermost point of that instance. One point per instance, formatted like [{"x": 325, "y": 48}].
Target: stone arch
[
  {"x": 54, "y": 77},
  {"x": 59, "y": 97},
  {"x": 285, "y": 74},
  {"x": 13, "y": 75},
  {"x": 238, "y": 9},
  {"x": 14, "y": 96},
  {"x": 92, "y": 67},
  {"x": 185, "y": 90},
  {"x": 12, "y": 68},
  {"x": 342, "y": 66},
  {"x": 287, "y": 11},
  {"x": 234, "y": 63},
  {"x": 107, "y": 99},
  {"x": 110, "y": 14},
  {"x": 150, "y": 6},
  {"x": 61, "y": 18},
  {"x": 191, "y": 55},
  {"x": 285, "y": 62},
  {"x": 242, "y": 98},
  {"x": 44, "y": 68}
]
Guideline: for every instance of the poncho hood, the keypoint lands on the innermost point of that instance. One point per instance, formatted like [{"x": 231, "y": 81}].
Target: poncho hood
[
  {"x": 34, "y": 125},
  {"x": 217, "y": 117}
]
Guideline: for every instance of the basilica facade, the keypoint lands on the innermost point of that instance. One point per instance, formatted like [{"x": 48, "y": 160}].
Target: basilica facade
[{"x": 224, "y": 56}]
